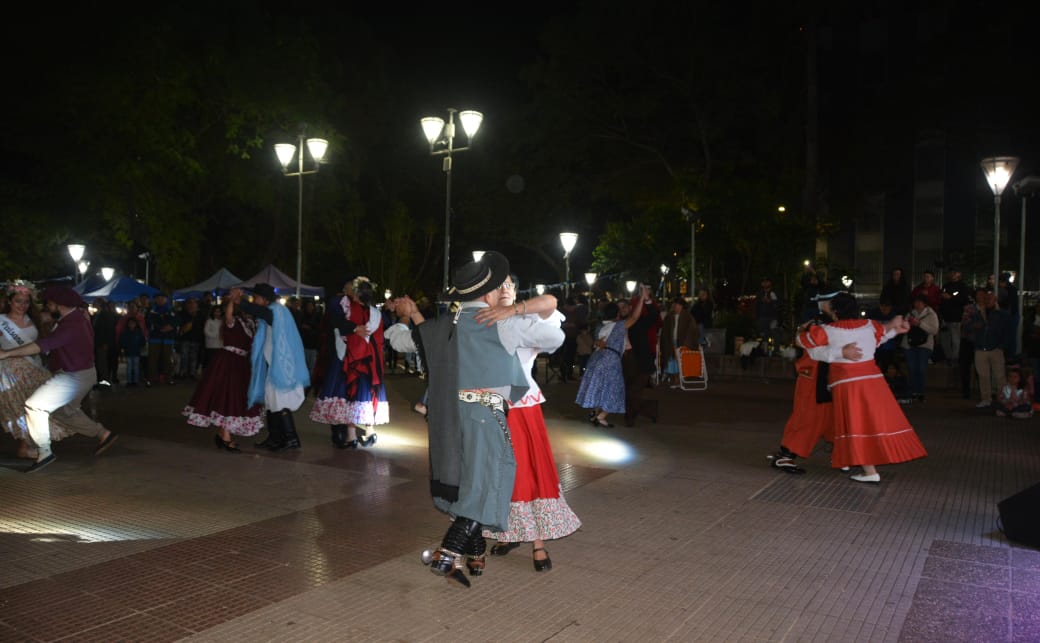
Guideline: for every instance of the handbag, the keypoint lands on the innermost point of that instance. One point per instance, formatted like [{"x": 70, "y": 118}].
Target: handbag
[{"x": 917, "y": 336}]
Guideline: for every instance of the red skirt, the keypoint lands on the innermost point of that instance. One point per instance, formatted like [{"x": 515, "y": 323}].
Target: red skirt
[
  {"x": 809, "y": 420},
  {"x": 538, "y": 510},
  {"x": 869, "y": 426}
]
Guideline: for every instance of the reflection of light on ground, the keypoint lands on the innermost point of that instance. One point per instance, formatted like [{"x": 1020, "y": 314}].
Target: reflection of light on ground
[
  {"x": 392, "y": 439},
  {"x": 601, "y": 448},
  {"x": 51, "y": 531}
]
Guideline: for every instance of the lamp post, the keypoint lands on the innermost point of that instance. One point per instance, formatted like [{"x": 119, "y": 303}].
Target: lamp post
[
  {"x": 1024, "y": 188},
  {"x": 631, "y": 286},
  {"x": 567, "y": 240},
  {"x": 76, "y": 251},
  {"x": 664, "y": 275},
  {"x": 998, "y": 171},
  {"x": 147, "y": 256},
  {"x": 285, "y": 151},
  {"x": 441, "y": 134},
  {"x": 83, "y": 266},
  {"x": 107, "y": 273}
]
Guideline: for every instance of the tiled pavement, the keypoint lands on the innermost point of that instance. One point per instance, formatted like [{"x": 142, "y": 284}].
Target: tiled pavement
[{"x": 687, "y": 534}]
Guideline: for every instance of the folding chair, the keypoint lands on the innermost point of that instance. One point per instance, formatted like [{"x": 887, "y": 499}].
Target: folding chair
[{"x": 693, "y": 371}]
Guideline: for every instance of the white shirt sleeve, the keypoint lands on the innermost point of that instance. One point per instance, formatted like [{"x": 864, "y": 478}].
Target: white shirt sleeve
[
  {"x": 400, "y": 337},
  {"x": 531, "y": 331}
]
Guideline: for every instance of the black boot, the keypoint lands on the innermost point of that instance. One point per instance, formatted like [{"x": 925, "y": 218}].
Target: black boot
[
  {"x": 339, "y": 437},
  {"x": 291, "y": 440},
  {"x": 475, "y": 554},
  {"x": 273, "y": 432},
  {"x": 449, "y": 560}
]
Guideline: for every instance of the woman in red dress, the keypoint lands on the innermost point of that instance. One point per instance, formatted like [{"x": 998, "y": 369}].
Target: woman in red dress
[
  {"x": 220, "y": 397},
  {"x": 538, "y": 510},
  {"x": 870, "y": 428}
]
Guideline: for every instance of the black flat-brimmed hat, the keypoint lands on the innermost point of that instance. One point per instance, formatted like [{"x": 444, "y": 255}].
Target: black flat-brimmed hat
[
  {"x": 266, "y": 291},
  {"x": 478, "y": 278}
]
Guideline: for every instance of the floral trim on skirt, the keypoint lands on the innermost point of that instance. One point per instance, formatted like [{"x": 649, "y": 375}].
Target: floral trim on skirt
[
  {"x": 19, "y": 379},
  {"x": 245, "y": 426}
]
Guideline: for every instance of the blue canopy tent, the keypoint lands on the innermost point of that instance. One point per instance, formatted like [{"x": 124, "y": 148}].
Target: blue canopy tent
[
  {"x": 121, "y": 289},
  {"x": 91, "y": 283},
  {"x": 283, "y": 284},
  {"x": 217, "y": 284}
]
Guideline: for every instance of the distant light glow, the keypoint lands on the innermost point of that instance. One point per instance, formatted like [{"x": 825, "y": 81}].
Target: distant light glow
[
  {"x": 631, "y": 286},
  {"x": 540, "y": 289},
  {"x": 590, "y": 278}
]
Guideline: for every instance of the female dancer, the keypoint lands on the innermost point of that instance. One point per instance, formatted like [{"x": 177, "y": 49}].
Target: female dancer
[
  {"x": 20, "y": 377},
  {"x": 602, "y": 389},
  {"x": 538, "y": 511},
  {"x": 352, "y": 395},
  {"x": 220, "y": 397},
  {"x": 869, "y": 427}
]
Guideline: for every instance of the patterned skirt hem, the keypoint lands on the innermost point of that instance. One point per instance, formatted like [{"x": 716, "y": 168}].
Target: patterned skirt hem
[
  {"x": 244, "y": 426},
  {"x": 540, "y": 519}
]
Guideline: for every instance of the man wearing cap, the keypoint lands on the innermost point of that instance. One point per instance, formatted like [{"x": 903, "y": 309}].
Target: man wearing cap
[
  {"x": 473, "y": 374},
  {"x": 70, "y": 349},
  {"x": 279, "y": 367},
  {"x": 812, "y": 417}
]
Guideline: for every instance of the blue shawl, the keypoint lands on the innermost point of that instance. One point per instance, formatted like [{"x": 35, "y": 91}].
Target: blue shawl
[{"x": 288, "y": 367}]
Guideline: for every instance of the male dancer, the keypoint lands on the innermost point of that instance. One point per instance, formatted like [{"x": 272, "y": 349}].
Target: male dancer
[
  {"x": 473, "y": 370},
  {"x": 71, "y": 358},
  {"x": 813, "y": 415},
  {"x": 279, "y": 367}
]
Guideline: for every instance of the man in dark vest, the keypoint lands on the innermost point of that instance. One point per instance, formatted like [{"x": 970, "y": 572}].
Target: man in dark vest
[{"x": 473, "y": 374}]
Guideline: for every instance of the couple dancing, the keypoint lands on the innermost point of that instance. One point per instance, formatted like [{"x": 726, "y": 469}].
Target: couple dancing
[{"x": 40, "y": 406}]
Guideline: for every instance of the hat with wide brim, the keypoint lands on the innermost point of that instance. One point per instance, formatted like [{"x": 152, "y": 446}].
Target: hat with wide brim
[
  {"x": 266, "y": 291},
  {"x": 63, "y": 296},
  {"x": 477, "y": 278}
]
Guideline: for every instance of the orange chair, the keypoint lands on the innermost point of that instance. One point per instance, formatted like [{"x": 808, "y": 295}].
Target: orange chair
[{"x": 693, "y": 371}]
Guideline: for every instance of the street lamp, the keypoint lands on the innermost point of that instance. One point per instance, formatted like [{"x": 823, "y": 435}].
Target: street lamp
[
  {"x": 846, "y": 281},
  {"x": 76, "y": 251},
  {"x": 998, "y": 171},
  {"x": 567, "y": 240},
  {"x": 439, "y": 133},
  {"x": 631, "y": 286},
  {"x": 1024, "y": 188},
  {"x": 590, "y": 279},
  {"x": 147, "y": 256},
  {"x": 285, "y": 151},
  {"x": 540, "y": 289},
  {"x": 107, "y": 273},
  {"x": 664, "y": 274},
  {"x": 83, "y": 266},
  {"x": 477, "y": 255}
]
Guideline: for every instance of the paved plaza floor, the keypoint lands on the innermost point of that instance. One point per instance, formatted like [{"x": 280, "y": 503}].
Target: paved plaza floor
[{"x": 687, "y": 535}]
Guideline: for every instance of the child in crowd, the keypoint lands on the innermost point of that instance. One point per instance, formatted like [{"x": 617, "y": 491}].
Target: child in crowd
[
  {"x": 131, "y": 341},
  {"x": 1014, "y": 399}
]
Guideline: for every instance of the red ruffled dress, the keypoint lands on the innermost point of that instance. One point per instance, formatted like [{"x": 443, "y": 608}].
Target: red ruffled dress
[
  {"x": 220, "y": 397},
  {"x": 869, "y": 426}
]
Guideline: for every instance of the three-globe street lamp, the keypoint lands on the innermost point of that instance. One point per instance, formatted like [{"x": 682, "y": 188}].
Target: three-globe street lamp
[
  {"x": 998, "y": 171},
  {"x": 567, "y": 240},
  {"x": 76, "y": 251},
  {"x": 286, "y": 151},
  {"x": 441, "y": 136}
]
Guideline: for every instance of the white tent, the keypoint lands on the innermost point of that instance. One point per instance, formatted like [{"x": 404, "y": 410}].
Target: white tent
[
  {"x": 218, "y": 283},
  {"x": 283, "y": 284}
]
